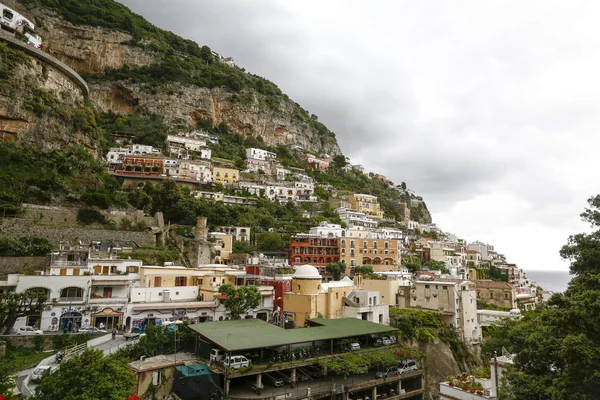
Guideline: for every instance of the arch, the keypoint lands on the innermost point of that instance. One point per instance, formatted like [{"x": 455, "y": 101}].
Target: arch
[
  {"x": 306, "y": 260},
  {"x": 72, "y": 293},
  {"x": 70, "y": 321},
  {"x": 366, "y": 261},
  {"x": 322, "y": 260},
  {"x": 376, "y": 261},
  {"x": 328, "y": 260},
  {"x": 39, "y": 289}
]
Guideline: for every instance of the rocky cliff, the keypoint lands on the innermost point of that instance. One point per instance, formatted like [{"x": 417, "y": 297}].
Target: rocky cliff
[{"x": 96, "y": 51}]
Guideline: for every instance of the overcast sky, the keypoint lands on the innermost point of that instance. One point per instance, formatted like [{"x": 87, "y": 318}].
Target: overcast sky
[{"x": 489, "y": 110}]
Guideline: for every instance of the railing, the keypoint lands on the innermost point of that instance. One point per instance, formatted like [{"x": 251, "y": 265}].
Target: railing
[
  {"x": 75, "y": 349},
  {"x": 68, "y": 264}
]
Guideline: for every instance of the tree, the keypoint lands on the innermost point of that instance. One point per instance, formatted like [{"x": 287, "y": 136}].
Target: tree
[
  {"x": 338, "y": 162},
  {"x": 16, "y": 305},
  {"x": 268, "y": 241},
  {"x": 363, "y": 270},
  {"x": 242, "y": 247},
  {"x": 239, "y": 300},
  {"x": 435, "y": 265},
  {"x": 336, "y": 269},
  {"x": 558, "y": 345},
  {"x": 87, "y": 376}
]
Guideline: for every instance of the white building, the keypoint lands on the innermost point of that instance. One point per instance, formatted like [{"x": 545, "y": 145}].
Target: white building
[
  {"x": 354, "y": 218},
  {"x": 260, "y": 154},
  {"x": 366, "y": 305},
  {"x": 184, "y": 147}
]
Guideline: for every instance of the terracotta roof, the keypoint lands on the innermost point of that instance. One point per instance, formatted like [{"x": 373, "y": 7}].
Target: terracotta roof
[{"x": 487, "y": 283}]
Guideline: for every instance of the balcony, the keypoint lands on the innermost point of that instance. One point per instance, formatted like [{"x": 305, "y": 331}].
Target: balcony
[
  {"x": 68, "y": 264},
  {"x": 108, "y": 300}
]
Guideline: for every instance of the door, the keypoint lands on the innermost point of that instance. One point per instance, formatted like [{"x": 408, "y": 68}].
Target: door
[
  {"x": 75, "y": 271},
  {"x": 157, "y": 281},
  {"x": 97, "y": 269},
  {"x": 63, "y": 271},
  {"x": 105, "y": 270},
  {"x": 107, "y": 293}
]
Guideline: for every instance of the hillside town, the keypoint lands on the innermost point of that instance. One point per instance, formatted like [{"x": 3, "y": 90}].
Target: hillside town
[{"x": 357, "y": 270}]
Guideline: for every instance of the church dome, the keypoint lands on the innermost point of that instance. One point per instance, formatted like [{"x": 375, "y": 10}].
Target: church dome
[{"x": 307, "y": 272}]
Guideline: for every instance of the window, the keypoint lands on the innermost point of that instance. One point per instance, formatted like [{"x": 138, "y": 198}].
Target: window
[
  {"x": 351, "y": 252},
  {"x": 71, "y": 292},
  {"x": 385, "y": 245},
  {"x": 505, "y": 296},
  {"x": 181, "y": 281},
  {"x": 352, "y": 243},
  {"x": 352, "y": 263},
  {"x": 157, "y": 281},
  {"x": 218, "y": 173},
  {"x": 365, "y": 245},
  {"x": 156, "y": 378},
  {"x": 343, "y": 243},
  {"x": 133, "y": 269},
  {"x": 200, "y": 281},
  {"x": 491, "y": 295},
  {"x": 374, "y": 245},
  {"x": 297, "y": 250},
  {"x": 297, "y": 259},
  {"x": 444, "y": 287},
  {"x": 426, "y": 286}
]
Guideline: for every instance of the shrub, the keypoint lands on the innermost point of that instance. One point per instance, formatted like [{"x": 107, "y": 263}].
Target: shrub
[{"x": 87, "y": 216}]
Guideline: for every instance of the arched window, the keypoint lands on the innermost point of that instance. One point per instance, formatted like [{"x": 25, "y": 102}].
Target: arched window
[
  {"x": 71, "y": 293},
  {"x": 386, "y": 245}
]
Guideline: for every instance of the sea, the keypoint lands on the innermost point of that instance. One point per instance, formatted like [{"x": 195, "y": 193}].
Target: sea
[{"x": 553, "y": 281}]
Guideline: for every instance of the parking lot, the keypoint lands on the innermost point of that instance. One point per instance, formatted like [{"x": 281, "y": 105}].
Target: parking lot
[{"x": 241, "y": 388}]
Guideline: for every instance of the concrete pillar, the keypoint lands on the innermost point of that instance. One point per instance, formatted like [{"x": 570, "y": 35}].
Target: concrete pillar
[
  {"x": 258, "y": 381},
  {"x": 294, "y": 378},
  {"x": 226, "y": 388},
  {"x": 324, "y": 370},
  {"x": 374, "y": 394},
  {"x": 399, "y": 388}
]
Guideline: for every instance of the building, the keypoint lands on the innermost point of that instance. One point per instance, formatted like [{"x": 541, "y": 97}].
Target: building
[
  {"x": 393, "y": 287},
  {"x": 366, "y": 204},
  {"x": 154, "y": 376},
  {"x": 239, "y": 233},
  {"x": 316, "y": 250},
  {"x": 311, "y": 298},
  {"x": 354, "y": 218},
  {"x": 200, "y": 171},
  {"x": 184, "y": 147},
  {"x": 315, "y": 163},
  {"x": 267, "y": 345},
  {"x": 366, "y": 305},
  {"x": 225, "y": 175},
  {"x": 258, "y": 166},
  {"x": 223, "y": 244},
  {"x": 383, "y": 179},
  {"x": 382, "y": 254},
  {"x": 501, "y": 294},
  {"x": 402, "y": 209},
  {"x": 141, "y": 165},
  {"x": 486, "y": 250},
  {"x": 455, "y": 299},
  {"x": 259, "y": 154}
]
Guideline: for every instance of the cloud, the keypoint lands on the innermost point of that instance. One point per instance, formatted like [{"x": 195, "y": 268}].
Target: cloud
[{"x": 487, "y": 109}]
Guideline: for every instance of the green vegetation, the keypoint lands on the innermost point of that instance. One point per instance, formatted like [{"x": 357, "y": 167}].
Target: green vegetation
[
  {"x": 336, "y": 270},
  {"x": 238, "y": 300},
  {"x": 24, "y": 246},
  {"x": 15, "y": 305},
  {"x": 482, "y": 305},
  {"x": 147, "y": 129},
  {"x": 155, "y": 257},
  {"x": 88, "y": 376},
  {"x": 359, "y": 362},
  {"x": 426, "y": 326},
  {"x": 37, "y": 176},
  {"x": 557, "y": 346}
]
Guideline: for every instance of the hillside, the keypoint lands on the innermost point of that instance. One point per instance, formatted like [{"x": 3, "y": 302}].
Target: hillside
[
  {"x": 148, "y": 82},
  {"x": 134, "y": 67}
]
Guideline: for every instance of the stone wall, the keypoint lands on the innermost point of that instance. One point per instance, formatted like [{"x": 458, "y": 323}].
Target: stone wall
[
  {"x": 14, "y": 265},
  {"x": 22, "y": 227}
]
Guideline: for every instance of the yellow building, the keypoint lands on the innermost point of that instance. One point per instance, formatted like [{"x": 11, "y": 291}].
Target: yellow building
[
  {"x": 225, "y": 175},
  {"x": 311, "y": 298},
  {"x": 170, "y": 276},
  {"x": 212, "y": 277},
  {"x": 223, "y": 244},
  {"x": 367, "y": 204},
  {"x": 381, "y": 254}
]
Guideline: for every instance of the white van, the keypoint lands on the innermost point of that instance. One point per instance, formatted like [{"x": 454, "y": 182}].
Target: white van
[
  {"x": 235, "y": 362},
  {"x": 355, "y": 346},
  {"x": 216, "y": 355}
]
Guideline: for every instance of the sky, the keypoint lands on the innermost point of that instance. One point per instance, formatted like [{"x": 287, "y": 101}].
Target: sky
[{"x": 487, "y": 109}]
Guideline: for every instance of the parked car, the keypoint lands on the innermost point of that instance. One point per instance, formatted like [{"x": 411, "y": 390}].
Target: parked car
[
  {"x": 28, "y": 331},
  {"x": 386, "y": 341},
  {"x": 391, "y": 371},
  {"x": 236, "y": 362},
  {"x": 287, "y": 378},
  {"x": 90, "y": 329},
  {"x": 405, "y": 366},
  {"x": 273, "y": 380},
  {"x": 39, "y": 372},
  {"x": 354, "y": 346},
  {"x": 217, "y": 355}
]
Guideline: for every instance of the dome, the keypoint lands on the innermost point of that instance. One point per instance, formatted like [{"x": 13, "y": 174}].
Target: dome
[{"x": 307, "y": 272}]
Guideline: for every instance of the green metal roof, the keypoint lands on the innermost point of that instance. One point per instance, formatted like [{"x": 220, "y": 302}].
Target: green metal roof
[{"x": 247, "y": 334}]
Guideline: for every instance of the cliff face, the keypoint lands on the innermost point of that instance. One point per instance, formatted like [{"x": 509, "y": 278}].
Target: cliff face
[
  {"x": 41, "y": 106},
  {"x": 94, "y": 50}
]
